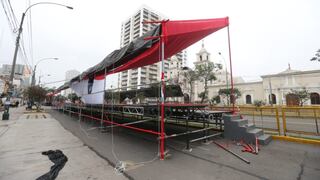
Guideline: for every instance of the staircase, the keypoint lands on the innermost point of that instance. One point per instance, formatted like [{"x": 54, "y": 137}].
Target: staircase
[{"x": 236, "y": 128}]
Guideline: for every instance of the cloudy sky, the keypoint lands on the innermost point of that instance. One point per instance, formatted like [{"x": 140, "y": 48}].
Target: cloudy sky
[{"x": 266, "y": 35}]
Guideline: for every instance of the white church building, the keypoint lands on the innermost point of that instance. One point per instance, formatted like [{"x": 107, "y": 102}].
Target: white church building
[{"x": 275, "y": 87}]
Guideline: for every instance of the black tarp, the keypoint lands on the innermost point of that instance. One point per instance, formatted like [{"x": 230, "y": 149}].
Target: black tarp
[
  {"x": 123, "y": 55},
  {"x": 149, "y": 92},
  {"x": 59, "y": 160}
]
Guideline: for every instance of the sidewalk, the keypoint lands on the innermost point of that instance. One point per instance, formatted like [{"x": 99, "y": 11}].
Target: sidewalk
[{"x": 25, "y": 136}]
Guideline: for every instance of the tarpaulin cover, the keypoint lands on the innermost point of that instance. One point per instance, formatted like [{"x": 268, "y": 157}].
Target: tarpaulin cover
[
  {"x": 59, "y": 160},
  {"x": 178, "y": 35},
  {"x": 153, "y": 91}
]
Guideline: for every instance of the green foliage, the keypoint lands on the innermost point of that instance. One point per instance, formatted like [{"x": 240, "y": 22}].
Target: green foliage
[
  {"x": 259, "y": 103},
  {"x": 215, "y": 100},
  {"x": 60, "y": 97},
  {"x": 303, "y": 95},
  {"x": 73, "y": 97},
  {"x": 316, "y": 57},
  {"x": 227, "y": 93},
  {"x": 190, "y": 76},
  {"x": 35, "y": 93},
  {"x": 203, "y": 95},
  {"x": 205, "y": 73}
]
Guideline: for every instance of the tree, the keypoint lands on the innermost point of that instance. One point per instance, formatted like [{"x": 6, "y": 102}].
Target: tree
[
  {"x": 226, "y": 93},
  {"x": 316, "y": 57},
  {"x": 303, "y": 95},
  {"x": 73, "y": 97},
  {"x": 206, "y": 72},
  {"x": 190, "y": 77},
  {"x": 259, "y": 103},
  {"x": 35, "y": 94},
  {"x": 203, "y": 95},
  {"x": 215, "y": 99}
]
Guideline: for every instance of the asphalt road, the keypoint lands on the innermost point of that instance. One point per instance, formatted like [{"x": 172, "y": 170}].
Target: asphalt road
[
  {"x": 138, "y": 151},
  {"x": 307, "y": 125}
]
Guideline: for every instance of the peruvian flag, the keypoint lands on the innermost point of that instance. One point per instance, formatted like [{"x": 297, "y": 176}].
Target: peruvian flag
[{"x": 91, "y": 89}]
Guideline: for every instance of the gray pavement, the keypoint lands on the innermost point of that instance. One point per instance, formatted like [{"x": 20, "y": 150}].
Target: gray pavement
[
  {"x": 25, "y": 136},
  {"x": 278, "y": 160}
]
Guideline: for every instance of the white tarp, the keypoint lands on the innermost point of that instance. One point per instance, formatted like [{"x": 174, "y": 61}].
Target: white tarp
[{"x": 91, "y": 91}]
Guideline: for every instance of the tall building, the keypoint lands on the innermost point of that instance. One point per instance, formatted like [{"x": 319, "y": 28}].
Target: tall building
[
  {"x": 20, "y": 69},
  {"x": 131, "y": 29},
  {"x": 68, "y": 76},
  {"x": 22, "y": 74}
]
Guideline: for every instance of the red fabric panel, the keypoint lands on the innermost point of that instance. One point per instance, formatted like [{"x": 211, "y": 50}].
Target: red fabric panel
[{"x": 178, "y": 36}]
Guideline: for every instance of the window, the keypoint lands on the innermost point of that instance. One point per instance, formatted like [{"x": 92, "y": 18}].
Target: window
[
  {"x": 248, "y": 99},
  {"x": 200, "y": 58},
  {"x": 315, "y": 98}
]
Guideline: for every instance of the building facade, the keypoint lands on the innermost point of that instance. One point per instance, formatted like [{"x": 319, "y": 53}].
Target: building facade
[
  {"x": 131, "y": 29},
  {"x": 273, "y": 89},
  {"x": 22, "y": 77},
  {"x": 68, "y": 76}
]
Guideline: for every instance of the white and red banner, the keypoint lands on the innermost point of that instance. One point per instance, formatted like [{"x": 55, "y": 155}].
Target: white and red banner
[{"x": 90, "y": 90}]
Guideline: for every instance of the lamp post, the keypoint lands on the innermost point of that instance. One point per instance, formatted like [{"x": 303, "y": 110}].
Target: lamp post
[
  {"x": 227, "y": 79},
  {"x": 5, "y": 115},
  {"x": 33, "y": 81}
]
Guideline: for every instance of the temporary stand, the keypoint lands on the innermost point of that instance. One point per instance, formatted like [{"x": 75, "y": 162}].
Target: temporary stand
[{"x": 166, "y": 28}]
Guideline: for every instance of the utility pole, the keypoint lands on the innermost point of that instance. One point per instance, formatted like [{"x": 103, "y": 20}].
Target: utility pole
[{"x": 5, "y": 115}]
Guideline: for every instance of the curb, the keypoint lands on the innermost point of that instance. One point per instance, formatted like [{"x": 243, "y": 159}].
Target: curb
[{"x": 297, "y": 140}]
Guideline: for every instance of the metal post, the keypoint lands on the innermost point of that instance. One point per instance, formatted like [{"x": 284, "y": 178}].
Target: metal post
[
  {"x": 162, "y": 148},
  {"x": 278, "y": 121},
  {"x": 104, "y": 91},
  {"x": 284, "y": 121},
  {"x": 232, "y": 90},
  {"x": 316, "y": 120}
]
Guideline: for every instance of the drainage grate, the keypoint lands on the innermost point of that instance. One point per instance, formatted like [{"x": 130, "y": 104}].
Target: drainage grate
[{"x": 44, "y": 116}]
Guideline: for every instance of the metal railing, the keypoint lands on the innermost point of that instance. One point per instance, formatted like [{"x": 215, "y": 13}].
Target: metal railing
[{"x": 282, "y": 120}]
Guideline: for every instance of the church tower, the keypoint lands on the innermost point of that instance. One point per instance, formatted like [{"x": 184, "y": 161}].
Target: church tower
[{"x": 203, "y": 56}]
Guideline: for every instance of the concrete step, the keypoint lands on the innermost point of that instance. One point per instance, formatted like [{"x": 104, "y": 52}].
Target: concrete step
[
  {"x": 240, "y": 122},
  {"x": 249, "y": 126},
  {"x": 264, "y": 139},
  {"x": 256, "y": 132},
  {"x": 230, "y": 117}
]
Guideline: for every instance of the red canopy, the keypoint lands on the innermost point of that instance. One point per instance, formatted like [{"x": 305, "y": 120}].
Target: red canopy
[{"x": 178, "y": 35}]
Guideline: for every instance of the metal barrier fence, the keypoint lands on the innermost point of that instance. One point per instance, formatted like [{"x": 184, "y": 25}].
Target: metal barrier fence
[{"x": 282, "y": 120}]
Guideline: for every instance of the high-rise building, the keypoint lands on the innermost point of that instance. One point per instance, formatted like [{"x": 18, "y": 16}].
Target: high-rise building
[
  {"x": 69, "y": 75},
  {"x": 20, "y": 69},
  {"x": 131, "y": 29}
]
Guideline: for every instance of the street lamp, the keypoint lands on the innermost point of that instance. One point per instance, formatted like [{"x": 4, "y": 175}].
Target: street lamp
[
  {"x": 33, "y": 81},
  {"x": 227, "y": 79},
  {"x": 5, "y": 115},
  {"x": 20, "y": 31}
]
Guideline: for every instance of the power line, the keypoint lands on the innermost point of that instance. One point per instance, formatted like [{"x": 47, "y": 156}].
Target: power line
[{"x": 7, "y": 15}]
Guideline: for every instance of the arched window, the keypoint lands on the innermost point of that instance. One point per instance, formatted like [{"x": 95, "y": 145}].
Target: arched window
[
  {"x": 315, "y": 98},
  {"x": 273, "y": 99},
  {"x": 248, "y": 99}
]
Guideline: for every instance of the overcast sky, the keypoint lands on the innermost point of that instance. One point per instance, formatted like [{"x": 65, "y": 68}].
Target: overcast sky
[{"x": 266, "y": 35}]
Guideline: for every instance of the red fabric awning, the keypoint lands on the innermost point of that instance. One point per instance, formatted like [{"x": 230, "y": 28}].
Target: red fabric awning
[{"x": 178, "y": 35}]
